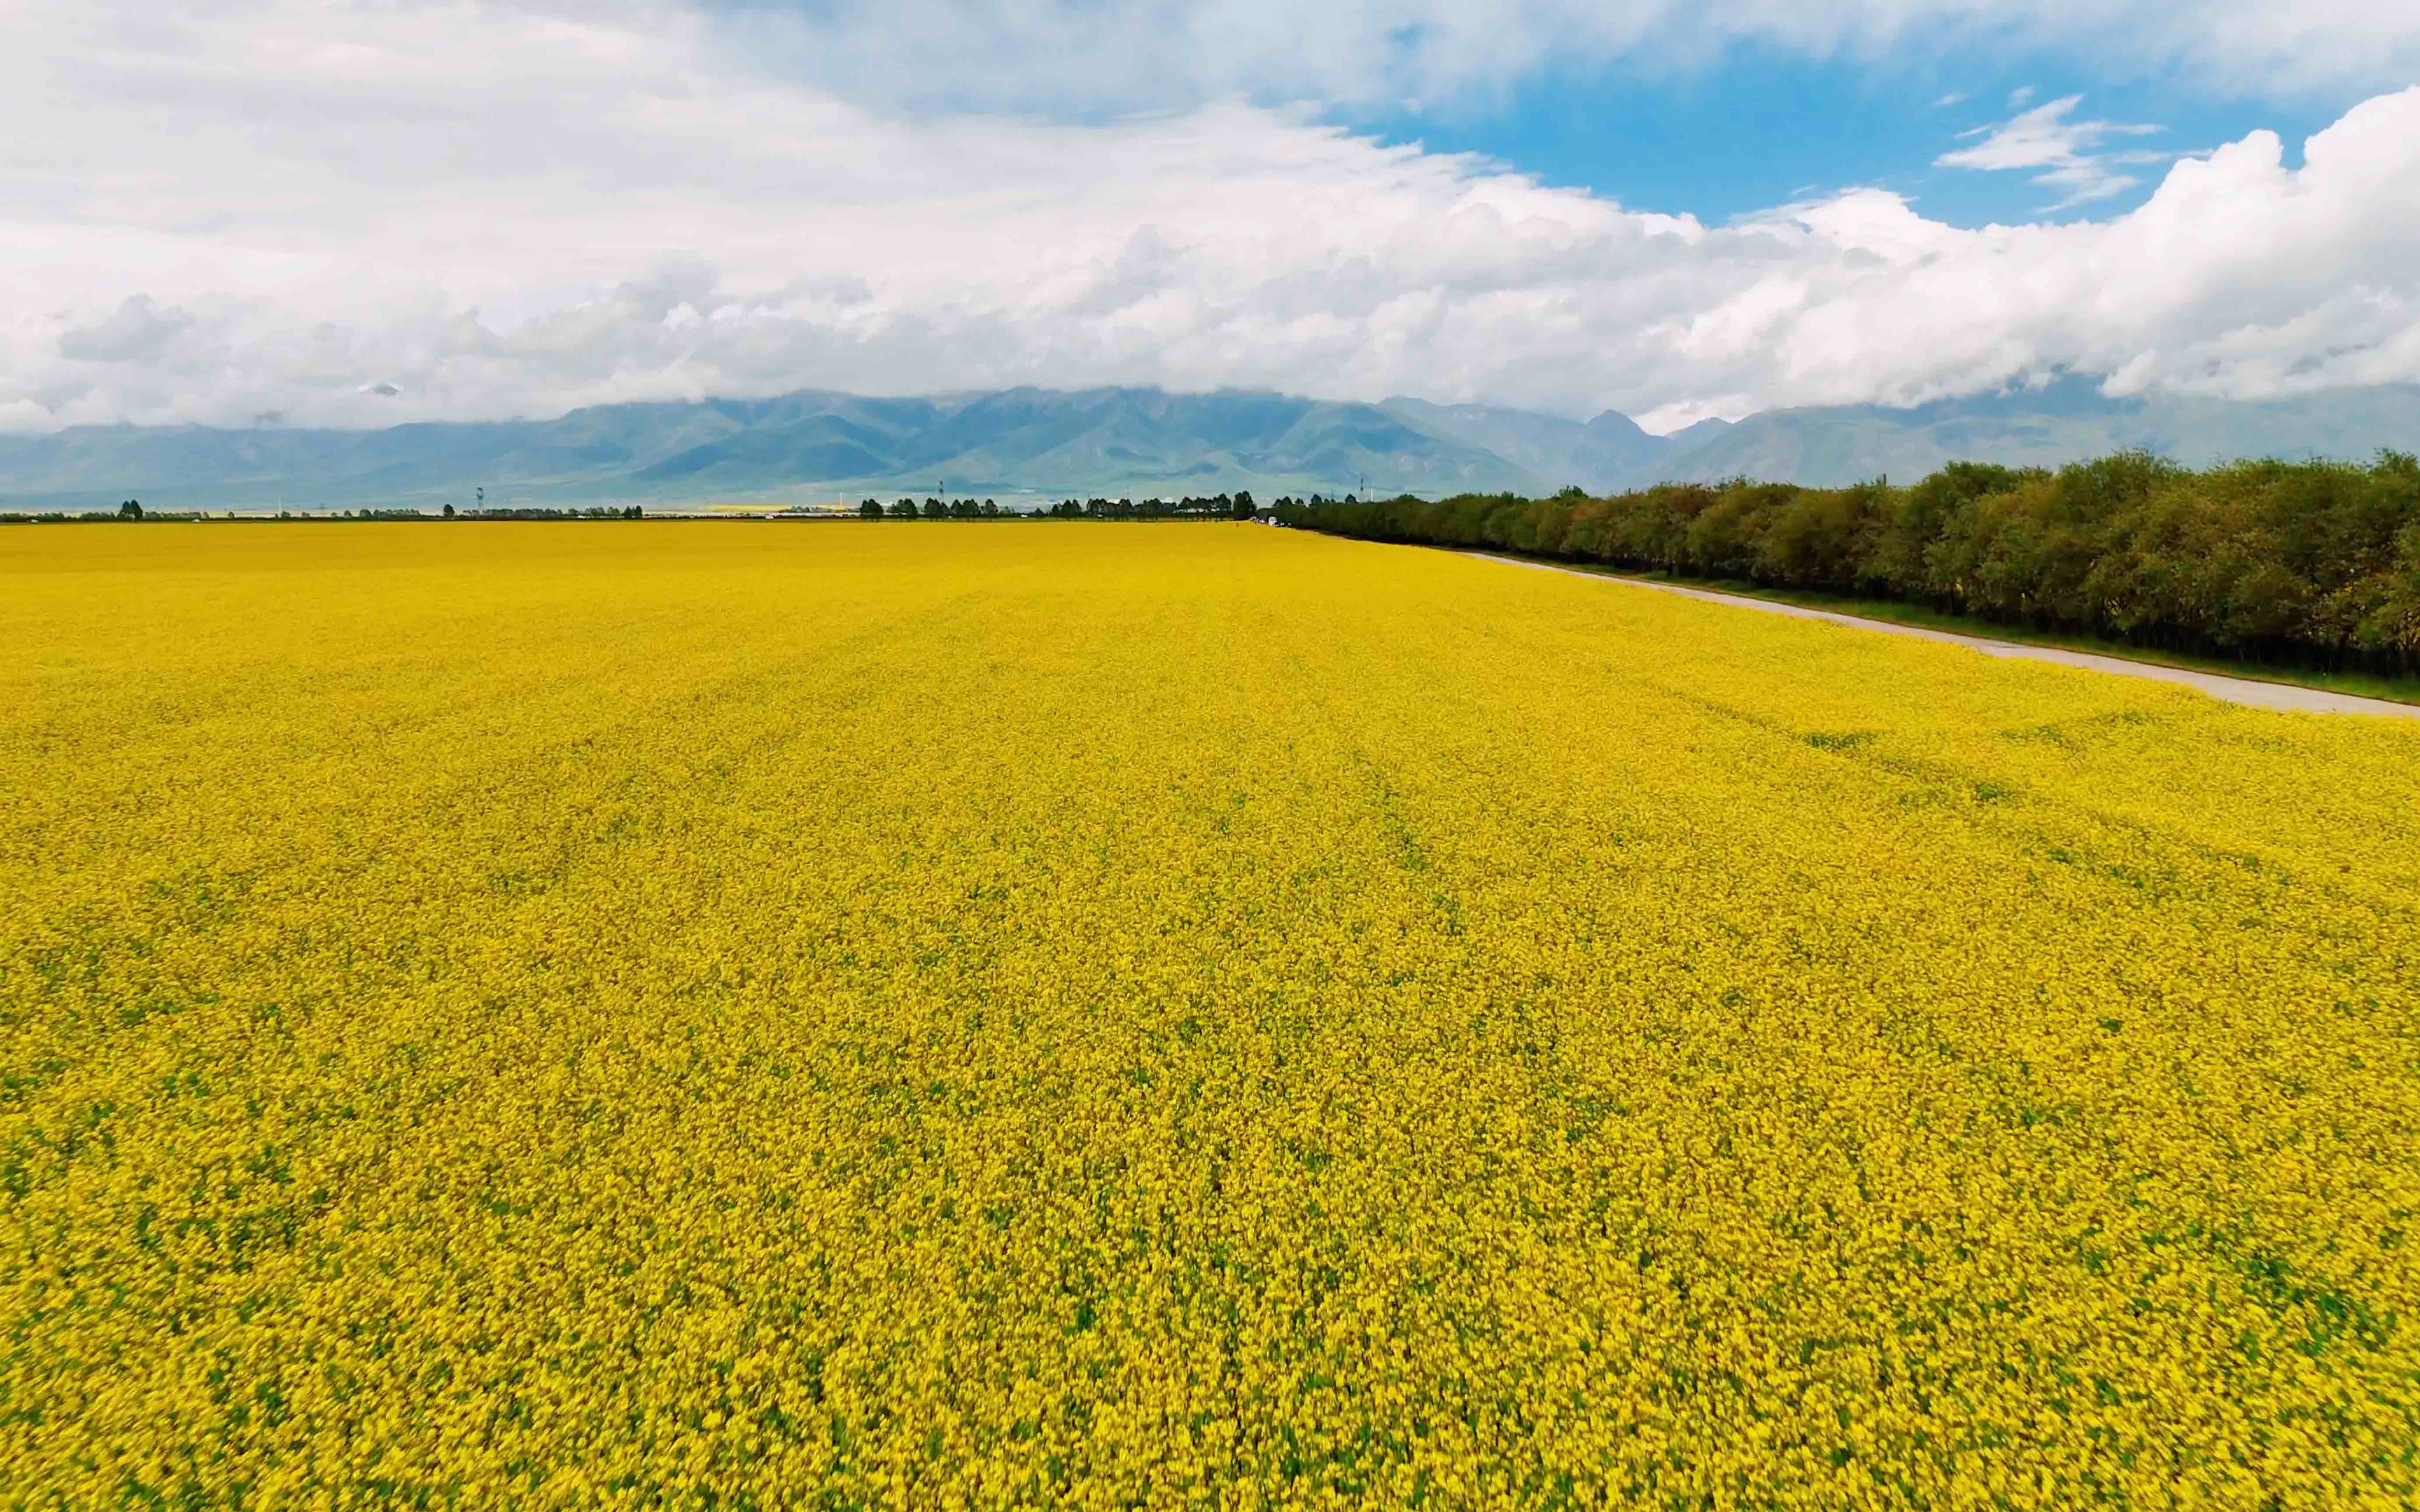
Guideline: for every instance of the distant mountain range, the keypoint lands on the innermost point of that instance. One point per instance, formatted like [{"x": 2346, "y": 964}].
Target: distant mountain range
[
  {"x": 1138, "y": 443},
  {"x": 2065, "y": 422}
]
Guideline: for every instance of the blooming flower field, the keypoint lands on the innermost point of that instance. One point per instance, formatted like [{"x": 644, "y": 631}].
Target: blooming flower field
[{"x": 876, "y": 1015}]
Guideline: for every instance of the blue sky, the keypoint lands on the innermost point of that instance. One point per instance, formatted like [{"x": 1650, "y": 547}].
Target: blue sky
[
  {"x": 1763, "y": 127},
  {"x": 1717, "y": 108}
]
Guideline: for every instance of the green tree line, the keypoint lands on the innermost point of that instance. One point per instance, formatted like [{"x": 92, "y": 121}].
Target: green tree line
[{"x": 2312, "y": 563}]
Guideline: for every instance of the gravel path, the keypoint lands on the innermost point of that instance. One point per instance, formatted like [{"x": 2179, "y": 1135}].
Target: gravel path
[{"x": 2233, "y": 689}]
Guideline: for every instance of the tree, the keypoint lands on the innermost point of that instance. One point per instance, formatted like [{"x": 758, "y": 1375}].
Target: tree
[
  {"x": 449, "y": 511},
  {"x": 130, "y": 510},
  {"x": 904, "y": 509},
  {"x": 871, "y": 509},
  {"x": 1243, "y": 506},
  {"x": 935, "y": 509}
]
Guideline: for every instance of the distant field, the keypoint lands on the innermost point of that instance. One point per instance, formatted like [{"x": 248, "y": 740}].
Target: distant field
[{"x": 862, "y": 1015}]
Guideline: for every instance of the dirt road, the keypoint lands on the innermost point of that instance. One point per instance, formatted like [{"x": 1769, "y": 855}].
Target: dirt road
[{"x": 2233, "y": 689}]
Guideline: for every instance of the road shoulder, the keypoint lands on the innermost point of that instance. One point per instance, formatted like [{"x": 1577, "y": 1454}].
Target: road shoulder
[{"x": 2246, "y": 691}]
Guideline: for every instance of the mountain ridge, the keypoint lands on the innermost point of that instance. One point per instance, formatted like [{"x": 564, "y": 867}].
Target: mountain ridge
[
  {"x": 2062, "y": 422},
  {"x": 820, "y": 443},
  {"x": 1031, "y": 442}
]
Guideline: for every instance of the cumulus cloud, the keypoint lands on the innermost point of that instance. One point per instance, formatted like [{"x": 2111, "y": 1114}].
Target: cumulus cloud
[
  {"x": 2066, "y": 151},
  {"x": 137, "y": 330},
  {"x": 299, "y": 209}
]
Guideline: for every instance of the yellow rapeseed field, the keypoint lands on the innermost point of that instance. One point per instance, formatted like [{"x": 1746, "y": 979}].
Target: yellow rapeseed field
[{"x": 852, "y": 1015}]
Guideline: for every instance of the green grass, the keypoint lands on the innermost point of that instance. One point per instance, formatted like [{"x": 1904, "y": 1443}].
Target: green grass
[{"x": 1917, "y": 616}]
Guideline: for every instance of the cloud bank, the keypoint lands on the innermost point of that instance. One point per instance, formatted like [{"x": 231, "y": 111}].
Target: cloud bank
[{"x": 365, "y": 214}]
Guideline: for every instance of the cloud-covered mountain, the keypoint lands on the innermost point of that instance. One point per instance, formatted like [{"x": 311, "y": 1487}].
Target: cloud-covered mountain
[
  {"x": 1024, "y": 442},
  {"x": 1609, "y": 451},
  {"x": 811, "y": 445},
  {"x": 2064, "y": 423}
]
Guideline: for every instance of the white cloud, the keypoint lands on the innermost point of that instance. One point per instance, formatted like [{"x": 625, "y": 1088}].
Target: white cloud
[
  {"x": 1055, "y": 55},
  {"x": 137, "y": 330},
  {"x": 2064, "y": 150},
  {"x": 293, "y": 210}
]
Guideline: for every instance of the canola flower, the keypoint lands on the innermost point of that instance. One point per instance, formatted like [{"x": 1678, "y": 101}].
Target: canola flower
[{"x": 1104, "y": 1016}]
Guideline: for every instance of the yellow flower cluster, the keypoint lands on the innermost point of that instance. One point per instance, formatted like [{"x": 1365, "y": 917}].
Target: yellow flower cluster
[{"x": 836, "y": 1015}]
